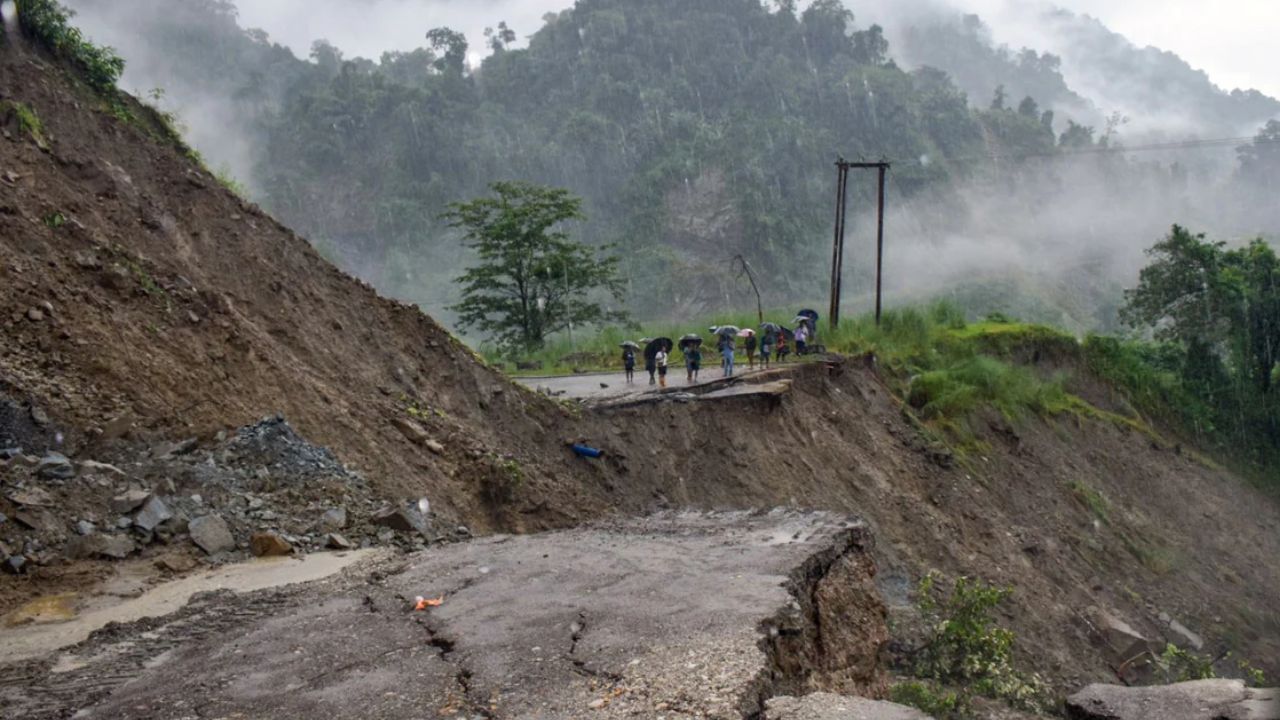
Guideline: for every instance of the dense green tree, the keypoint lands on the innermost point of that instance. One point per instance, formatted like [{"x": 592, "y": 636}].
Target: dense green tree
[
  {"x": 1222, "y": 307},
  {"x": 531, "y": 278}
]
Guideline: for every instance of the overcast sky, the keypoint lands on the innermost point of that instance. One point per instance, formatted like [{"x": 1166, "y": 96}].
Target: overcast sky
[{"x": 1233, "y": 40}]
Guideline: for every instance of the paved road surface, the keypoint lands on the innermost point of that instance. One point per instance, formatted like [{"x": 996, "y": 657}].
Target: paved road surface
[
  {"x": 651, "y": 617},
  {"x": 614, "y": 384}
]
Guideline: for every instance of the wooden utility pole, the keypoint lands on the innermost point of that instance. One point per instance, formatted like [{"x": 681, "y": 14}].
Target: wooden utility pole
[
  {"x": 837, "y": 245},
  {"x": 837, "y": 249},
  {"x": 745, "y": 267}
]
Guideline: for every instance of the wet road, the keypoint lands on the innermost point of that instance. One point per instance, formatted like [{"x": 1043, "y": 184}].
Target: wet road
[{"x": 614, "y": 384}]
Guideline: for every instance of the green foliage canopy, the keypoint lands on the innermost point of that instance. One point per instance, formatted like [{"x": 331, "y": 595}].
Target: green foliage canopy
[{"x": 532, "y": 280}]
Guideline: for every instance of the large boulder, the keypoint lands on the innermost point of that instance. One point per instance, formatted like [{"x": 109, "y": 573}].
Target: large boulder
[
  {"x": 826, "y": 706},
  {"x": 114, "y": 547},
  {"x": 404, "y": 520},
  {"x": 333, "y": 520},
  {"x": 129, "y": 501},
  {"x": 269, "y": 544},
  {"x": 55, "y": 466},
  {"x": 211, "y": 534},
  {"x": 1194, "y": 700},
  {"x": 151, "y": 514}
]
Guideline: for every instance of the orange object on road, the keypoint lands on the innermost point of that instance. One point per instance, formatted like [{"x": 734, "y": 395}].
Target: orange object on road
[{"x": 424, "y": 603}]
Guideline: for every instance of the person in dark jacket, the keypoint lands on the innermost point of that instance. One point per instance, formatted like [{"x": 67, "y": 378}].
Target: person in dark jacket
[{"x": 629, "y": 363}]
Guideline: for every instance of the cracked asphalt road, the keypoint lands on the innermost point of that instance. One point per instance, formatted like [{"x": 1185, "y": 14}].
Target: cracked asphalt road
[{"x": 653, "y": 617}]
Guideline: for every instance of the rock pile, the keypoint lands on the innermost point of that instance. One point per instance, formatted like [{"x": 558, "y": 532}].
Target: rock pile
[{"x": 262, "y": 490}]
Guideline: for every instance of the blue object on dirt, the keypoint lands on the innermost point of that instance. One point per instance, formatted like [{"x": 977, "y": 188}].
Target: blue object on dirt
[{"x": 585, "y": 451}]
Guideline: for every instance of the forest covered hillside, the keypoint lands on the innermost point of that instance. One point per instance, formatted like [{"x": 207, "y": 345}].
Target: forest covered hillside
[{"x": 695, "y": 133}]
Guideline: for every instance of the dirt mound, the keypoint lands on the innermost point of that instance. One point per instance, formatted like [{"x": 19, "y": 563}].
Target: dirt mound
[{"x": 140, "y": 300}]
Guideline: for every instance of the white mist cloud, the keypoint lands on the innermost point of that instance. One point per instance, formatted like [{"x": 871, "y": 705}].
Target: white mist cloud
[
  {"x": 367, "y": 28},
  {"x": 1230, "y": 39}
]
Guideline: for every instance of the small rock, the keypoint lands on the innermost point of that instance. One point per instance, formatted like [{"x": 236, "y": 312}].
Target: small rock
[
  {"x": 124, "y": 522},
  {"x": 88, "y": 261},
  {"x": 39, "y": 416},
  {"x": 211, "y": 534},
  {"x": 10, "y": 453},
  {"x": 37, "y": 519},
  {"x": 411, "y": 430},
  {"x": 180, "y": 448},
  {"x": 84, "y": 527},
  {"x": 464, "y": 531},
  {"x": 268, "y": 544},
  {"x": 332, "y": 520},
  {"x": 597, "y": 704},
  {"x": 435, "y": 446},
  {"x": 55, "y": 466},
  {"x": 15, "y": 565},
  {"x": 30, "y": 497},
  {"x": 177, "y": 563},
  {"x": 35, "y": 314},
  {"x": 93, "y": 466},
  {"x": 152, "y": 513},
  {"x": 337, "y": 542},
  {"x": 129, "y": 501}
]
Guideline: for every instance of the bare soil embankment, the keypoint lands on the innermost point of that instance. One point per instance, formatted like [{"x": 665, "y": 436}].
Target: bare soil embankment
[{"x": 142, "y": 303}]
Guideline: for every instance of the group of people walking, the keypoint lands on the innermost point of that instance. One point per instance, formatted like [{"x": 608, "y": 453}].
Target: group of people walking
[{"x": 772, "y": 343}]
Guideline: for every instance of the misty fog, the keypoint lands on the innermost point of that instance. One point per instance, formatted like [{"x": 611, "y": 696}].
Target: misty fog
[{"x": 1067, "y": 232}]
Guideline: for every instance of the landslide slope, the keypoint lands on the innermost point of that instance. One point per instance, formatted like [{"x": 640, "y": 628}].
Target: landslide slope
[
  {"x": 140, "y": 299},
  {"x": 1083, "y": 515},
  {"x": 176, "y": 309}
]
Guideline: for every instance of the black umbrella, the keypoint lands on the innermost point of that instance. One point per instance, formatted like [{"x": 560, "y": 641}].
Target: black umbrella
[
  {"x": 688, "y": 340},
  {"x": 770, "y": 327},
  {"x": 654, "y": 345},
  {"x": 787, "y": 333},
  {"x": 727, "y": 330},
  {"x": 630, "y": 344},
  {"x": 811, "y": 314}
]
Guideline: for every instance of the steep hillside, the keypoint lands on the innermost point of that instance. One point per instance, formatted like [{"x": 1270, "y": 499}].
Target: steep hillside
[
  {"x": 142, "y": 303},
  {"x": 141, "y": 299}
]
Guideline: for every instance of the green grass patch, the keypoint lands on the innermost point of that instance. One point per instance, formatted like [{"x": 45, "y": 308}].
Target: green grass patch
[
  {"x": 28, "y": 121},
  {"x": 1092, "y": 499}
]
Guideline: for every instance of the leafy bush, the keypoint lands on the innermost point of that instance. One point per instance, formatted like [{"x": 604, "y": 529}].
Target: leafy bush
[
  {"x": 1180, "y": 665},
  {"x": 928, "y": 698},
  {"x": 48, "y": 23},
  {"x": 968, "y": 650}
]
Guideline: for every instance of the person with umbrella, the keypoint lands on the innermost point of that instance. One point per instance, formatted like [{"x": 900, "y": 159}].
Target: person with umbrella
[
  {"x": 649, "y": 365},
  {"x": 655, "y": 358},
  {"x": 691, "y": 346},
  {"x": 629, "y": 360},
  {"x": 726, "y": 333},
  {"x": 749, "y": 344},
  {"x": 768, "y": 341},
  {"x": 802, "y": 334}
]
